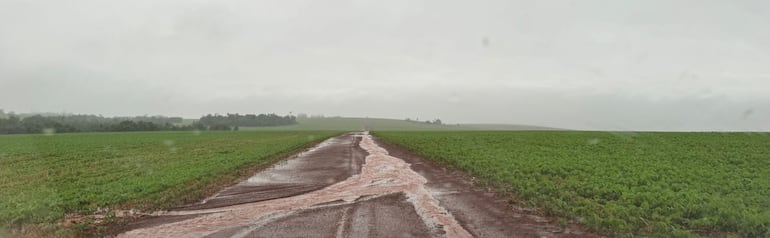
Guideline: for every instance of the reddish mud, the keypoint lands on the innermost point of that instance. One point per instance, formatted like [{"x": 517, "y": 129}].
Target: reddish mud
[{"x": 329, "y": 192}]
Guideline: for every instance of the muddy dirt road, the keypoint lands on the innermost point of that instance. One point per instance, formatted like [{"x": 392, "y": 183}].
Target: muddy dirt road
[{"x": 350, "y": 186}]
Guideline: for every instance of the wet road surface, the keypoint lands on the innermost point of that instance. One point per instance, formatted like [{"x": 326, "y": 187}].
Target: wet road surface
[{"x": 350, "y": 186}]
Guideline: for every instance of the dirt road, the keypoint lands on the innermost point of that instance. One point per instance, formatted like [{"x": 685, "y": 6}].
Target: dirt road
[{"x": 350, "y": 186}]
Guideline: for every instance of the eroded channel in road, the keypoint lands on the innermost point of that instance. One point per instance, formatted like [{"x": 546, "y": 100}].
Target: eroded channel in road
[{"x": 381, "y": 177}]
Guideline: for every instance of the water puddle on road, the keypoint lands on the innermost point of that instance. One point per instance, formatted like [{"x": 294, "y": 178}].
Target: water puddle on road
[{"x": 381, "y": 175}]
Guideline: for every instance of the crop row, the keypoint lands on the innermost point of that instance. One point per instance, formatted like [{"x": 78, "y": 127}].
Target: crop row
[
  {"x": 624, "y": 184},
  {"x": 43, "y": 177}
]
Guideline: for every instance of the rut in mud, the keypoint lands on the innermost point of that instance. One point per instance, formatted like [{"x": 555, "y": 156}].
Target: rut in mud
[
  {"x": 340, "y": 194},
  {"x": 381, "y": 175}
]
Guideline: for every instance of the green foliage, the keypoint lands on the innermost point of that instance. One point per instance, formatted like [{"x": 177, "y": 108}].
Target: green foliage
[
  {"x": 621, "y": 183},
  {"x": 234, "y": 120},
  {"x": 33, "y": 124},
  {"x": 43, "y": 177}
]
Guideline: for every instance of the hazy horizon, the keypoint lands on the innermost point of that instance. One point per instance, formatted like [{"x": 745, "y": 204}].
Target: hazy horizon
[{"x": 590, "y": 65}]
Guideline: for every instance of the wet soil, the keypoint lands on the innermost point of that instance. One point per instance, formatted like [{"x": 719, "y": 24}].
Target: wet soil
[{"x": 351, "y": 186}]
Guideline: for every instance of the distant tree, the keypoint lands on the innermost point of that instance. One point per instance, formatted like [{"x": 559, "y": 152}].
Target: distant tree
[
  {"x": 11, "y": 125},
  {"x": 436, "y": 122},
  {"x": 260, "y": 120}
]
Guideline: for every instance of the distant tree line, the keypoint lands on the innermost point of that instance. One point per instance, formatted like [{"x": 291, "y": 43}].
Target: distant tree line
[
  {"x": 435, "y": 121},
  {"x": 11, "y": 123},
  {"x": 237, "y": 120}
]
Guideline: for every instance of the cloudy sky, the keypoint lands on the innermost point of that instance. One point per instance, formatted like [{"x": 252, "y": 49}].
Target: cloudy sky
[{"x": 618, "y": 65}]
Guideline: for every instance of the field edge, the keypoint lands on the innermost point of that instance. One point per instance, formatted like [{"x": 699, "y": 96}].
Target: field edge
[
  {"x": 514, "y": 202},
  {"x": 87, "y": 226}
]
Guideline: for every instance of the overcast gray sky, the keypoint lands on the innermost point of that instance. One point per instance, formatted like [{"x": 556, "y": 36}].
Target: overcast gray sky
[{"x": 619, "y": 65}]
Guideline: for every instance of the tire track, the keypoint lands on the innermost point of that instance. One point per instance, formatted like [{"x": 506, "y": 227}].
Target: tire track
[{"x": 381, "y": 175}]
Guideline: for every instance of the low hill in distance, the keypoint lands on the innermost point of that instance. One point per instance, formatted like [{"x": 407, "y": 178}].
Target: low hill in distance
[{"x": 380, "y": 124}]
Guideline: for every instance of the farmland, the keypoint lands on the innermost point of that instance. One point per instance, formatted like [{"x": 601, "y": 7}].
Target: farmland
[
  {"x": 42, "y": 177},
  {"x": 620, "y": 183}
]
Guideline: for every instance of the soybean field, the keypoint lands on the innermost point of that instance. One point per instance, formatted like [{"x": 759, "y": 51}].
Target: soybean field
[
  {"x": 620, "y": 183},
  {"x": 44, "y": 177}
]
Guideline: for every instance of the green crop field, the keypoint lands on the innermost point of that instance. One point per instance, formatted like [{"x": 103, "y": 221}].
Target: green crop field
[
  {"x": 622, "y": 184},
  {"x": 43, "y": 177}
]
